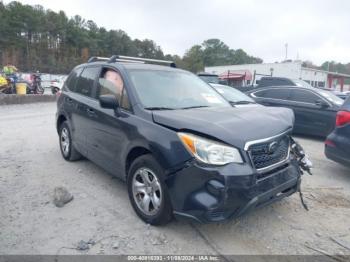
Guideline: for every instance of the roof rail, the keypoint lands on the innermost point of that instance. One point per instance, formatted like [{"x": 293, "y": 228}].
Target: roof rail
[
  {"x": 97, "y": 58},
  {"x": 131, "y": 59}
]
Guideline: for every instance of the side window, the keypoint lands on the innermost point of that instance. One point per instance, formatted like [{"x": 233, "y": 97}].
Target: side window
[
  {"x": 72, "y": 78},
  {"x": 111, "y": 82},
  {"x": 304, "y": 96},
  {"x": 283, "y": 82},
  {"x": 260, "y": 93},
  {"x": 275, "y": 82},
  {"x": 86, "y": 81},
  {"x": 274, "y": 93}
]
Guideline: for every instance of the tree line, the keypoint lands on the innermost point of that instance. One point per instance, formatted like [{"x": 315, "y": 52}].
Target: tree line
[{"x": 34, "y": 38}]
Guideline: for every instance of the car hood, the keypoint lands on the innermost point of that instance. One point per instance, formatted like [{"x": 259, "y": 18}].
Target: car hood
[{"x": 234, "y": 126}]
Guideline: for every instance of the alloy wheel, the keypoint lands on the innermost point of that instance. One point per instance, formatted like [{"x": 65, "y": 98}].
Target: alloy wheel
[
  {"x": 147, "y": 191},
  {"x": 65, "y": 144}
]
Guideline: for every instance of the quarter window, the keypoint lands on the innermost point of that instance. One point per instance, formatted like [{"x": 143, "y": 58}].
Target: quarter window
[
  {"x": 274, "y": 93},
  {"x": 86, "y": 81}
]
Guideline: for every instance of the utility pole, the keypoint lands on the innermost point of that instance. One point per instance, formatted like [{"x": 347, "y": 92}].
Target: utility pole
[{"x": 286, "y": 46}]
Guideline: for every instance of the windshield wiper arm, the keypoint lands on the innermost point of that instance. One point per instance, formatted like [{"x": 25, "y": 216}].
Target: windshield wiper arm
[
  {"x": 159, "y": 108},
  {"x": 190, "y": 107},
  {"x": 241, "y": 102}
]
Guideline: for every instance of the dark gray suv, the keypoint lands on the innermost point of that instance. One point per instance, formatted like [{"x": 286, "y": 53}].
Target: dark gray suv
[{"x": 182, "y": 149}]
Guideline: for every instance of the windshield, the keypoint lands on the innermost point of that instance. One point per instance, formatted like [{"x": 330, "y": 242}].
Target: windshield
[
  {"x": 231, "y": 94},
  {"x": 331, "y": 97},
  {"x": 173, "y": 90},
  {"x": 302, "y": 83},
  {"x": 210, "y": 79}
]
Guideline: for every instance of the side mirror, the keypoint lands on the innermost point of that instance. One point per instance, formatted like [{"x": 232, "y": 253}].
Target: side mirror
[
  {"x": 108, "y": 101},
  {"x": 321, "y": 103}
]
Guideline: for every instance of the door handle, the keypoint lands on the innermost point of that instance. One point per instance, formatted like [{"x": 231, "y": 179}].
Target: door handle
[
  {"x": 69, "y": 100},
  {"x": 90, "y": 112}
]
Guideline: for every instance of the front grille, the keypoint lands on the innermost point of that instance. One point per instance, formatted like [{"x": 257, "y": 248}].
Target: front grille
[{"x": 264, "y": 155}]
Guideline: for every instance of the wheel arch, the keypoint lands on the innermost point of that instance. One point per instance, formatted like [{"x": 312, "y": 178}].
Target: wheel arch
[
  {"x": 134, "y": 153},
  {"x": 60, "y": 119}
]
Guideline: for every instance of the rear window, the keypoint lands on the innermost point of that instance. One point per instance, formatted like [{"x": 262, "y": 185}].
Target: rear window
[
  {"x": 86, "y": 81},
  {"x": 331, "y": 97}
]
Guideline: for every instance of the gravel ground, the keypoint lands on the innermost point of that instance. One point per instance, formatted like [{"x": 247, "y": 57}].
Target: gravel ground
[{"x": 31, "y": 167}]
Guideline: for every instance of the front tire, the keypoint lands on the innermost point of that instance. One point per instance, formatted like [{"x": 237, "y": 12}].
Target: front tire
[
  {"x": 68, "y": 150},
  {"x": 148, "y": 193}
]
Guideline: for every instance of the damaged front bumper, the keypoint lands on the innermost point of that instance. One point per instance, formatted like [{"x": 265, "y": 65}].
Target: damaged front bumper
[
  {"x": 212, "y": 194},
  {"x": 215, "y": 193}
]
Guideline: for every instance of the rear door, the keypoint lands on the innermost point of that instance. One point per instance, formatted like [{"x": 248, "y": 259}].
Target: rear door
[
  {"x": 311, "y": 118},
  {"x": 82, "y": 97},
  {"x": 70, "y": 108}
]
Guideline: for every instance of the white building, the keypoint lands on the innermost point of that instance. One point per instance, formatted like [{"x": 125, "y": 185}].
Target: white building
[{"x": 251, "y": 73}]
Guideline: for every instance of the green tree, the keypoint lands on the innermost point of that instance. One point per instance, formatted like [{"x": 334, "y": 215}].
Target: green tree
[
  {"x": 194, "y": 59},
  {"x": 216, "y": 52},
  {"x": 34, "y": 38}
]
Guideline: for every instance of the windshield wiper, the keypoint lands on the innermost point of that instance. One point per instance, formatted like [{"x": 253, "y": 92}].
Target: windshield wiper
[
  {"x": 190, "y": 107},
  {"x": 159, "y": 108},
  {"x": 241, "y": 102}
]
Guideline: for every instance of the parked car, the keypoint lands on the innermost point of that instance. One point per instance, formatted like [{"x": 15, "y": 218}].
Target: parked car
[
  {"x": 182, "y": 149},
  {"x": 209, "y": 78},
  {"x": 314, "y": 109},
  {"x": 57, "y": 84},
  {"x": 342, "y": 95},
  {"x": 283, "y": 81},
  {"x": 337, "y": 145},
  {"x": 268, "y": 81},
  {"x": 234, "y": 96}
]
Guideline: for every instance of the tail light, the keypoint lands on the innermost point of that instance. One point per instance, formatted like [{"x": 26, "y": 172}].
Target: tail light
[
  {"x": 343, "y": 118},
  {"x": 330, "y": 143}
]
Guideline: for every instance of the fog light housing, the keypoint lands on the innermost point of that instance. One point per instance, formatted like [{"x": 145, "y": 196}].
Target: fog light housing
[{"x": 215, "y": 187}]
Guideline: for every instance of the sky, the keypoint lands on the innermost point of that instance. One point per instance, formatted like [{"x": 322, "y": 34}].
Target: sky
[{"x": 314, "y": 30}]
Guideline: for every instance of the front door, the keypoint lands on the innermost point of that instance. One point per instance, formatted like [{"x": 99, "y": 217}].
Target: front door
[
  {"x": 109, "y": 136},
  {"x": 310, "y": 118}
]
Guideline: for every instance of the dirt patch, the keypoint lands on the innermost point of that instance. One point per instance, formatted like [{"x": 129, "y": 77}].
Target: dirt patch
[{"x": 328, "y": 197}]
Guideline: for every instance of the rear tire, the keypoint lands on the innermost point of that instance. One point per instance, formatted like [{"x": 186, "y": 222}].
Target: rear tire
[
  {"x": 68, "y": 150},
  {"x": 54, "y": 90},
  {"x": 148, "y": 193}
]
